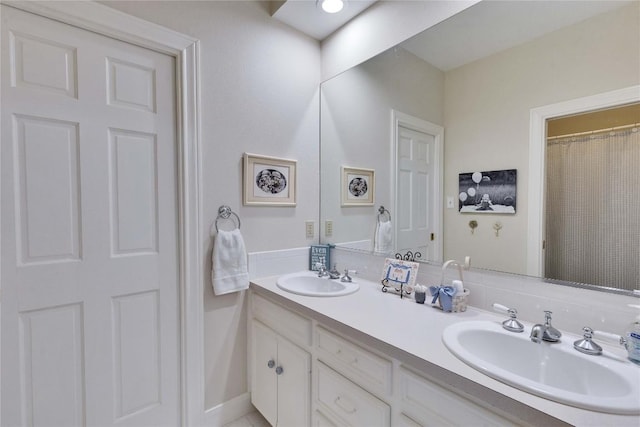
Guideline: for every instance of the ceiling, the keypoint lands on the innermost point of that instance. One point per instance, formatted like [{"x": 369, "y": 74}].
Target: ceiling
[
  {"x": 485, "y": 28},
  {"x": 308, "y": 17}
]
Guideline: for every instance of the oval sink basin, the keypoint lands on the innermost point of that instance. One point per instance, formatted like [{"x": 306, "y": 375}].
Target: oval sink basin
[
  {"x": 308, "y": 283},
  {"x": 606, "y": 383}
]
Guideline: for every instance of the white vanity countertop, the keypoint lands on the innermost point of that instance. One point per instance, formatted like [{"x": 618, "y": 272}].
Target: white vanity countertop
[{"x": 416, "y": 329}]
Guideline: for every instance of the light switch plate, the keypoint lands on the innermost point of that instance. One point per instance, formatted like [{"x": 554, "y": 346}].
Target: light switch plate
[
  {"x": 328, "y": 228},
  {"x": 449, "y": 202},
  {"x": 309, "y": 229}
]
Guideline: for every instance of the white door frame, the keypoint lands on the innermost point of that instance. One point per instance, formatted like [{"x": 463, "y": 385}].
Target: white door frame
[
  {"x": 537, "y": 150},
  {"x": 398, "y": 119},
  {"x": 186, "y": 51}
]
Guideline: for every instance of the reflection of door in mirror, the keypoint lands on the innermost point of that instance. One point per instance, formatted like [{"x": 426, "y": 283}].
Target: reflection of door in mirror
[
  {"x": 592, "y": 163},
  {"x": 417, "y": 187}
]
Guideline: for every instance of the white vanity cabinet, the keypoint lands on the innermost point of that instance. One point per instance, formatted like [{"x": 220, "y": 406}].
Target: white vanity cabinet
[
  {"x": 280, "y": 369},
  {"x": 353, "y": 383}
]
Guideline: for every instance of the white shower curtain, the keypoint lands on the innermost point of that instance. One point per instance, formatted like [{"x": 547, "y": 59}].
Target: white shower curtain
[{"x": 593, "y": 209}]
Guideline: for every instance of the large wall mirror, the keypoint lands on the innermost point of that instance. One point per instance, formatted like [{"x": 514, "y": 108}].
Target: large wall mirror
[{"x": 458, "y": 99}]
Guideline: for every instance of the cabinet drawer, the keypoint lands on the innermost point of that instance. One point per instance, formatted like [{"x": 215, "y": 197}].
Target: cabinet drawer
[
  {"x": 433, "y": 405},
  {"x": 362, "y": 366},
  {"x": 347, "y": 401},
  {"x": 322, "y": 420},
  {"x": 289, "y": 324}
]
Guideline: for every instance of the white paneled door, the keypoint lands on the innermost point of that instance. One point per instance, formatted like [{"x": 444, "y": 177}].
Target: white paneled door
[
  {"x": 415, "y": 192},
  {"x": 89, "y": 276}
]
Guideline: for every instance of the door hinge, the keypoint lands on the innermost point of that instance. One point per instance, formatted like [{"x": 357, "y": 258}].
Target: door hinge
[{"x": 433, "y": 237}]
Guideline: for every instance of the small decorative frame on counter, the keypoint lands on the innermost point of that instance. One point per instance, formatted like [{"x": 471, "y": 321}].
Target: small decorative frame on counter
[
  {"x": 269, "y": 181},
  {"x": 399, "y": 276},
  {"x": 357, "y": 186}
]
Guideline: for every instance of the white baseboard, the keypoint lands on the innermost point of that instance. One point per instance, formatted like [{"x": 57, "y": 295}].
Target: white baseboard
[{"x": 228, "y": 411}]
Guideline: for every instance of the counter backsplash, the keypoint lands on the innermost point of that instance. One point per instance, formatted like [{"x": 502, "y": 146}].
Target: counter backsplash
[{"x": 572, "y": 308}]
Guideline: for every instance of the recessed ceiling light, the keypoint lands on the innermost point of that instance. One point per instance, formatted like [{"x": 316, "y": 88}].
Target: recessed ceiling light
[{"x": 332, "y": 6}]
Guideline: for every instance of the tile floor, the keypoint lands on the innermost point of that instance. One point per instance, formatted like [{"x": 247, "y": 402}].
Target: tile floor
[{"x": 254, "y": 419}]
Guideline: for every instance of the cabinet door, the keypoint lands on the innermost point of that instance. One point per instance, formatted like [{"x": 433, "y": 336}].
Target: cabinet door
[
  {"x": 294, "y": 385},
  {"x": 264, "y": 381}
]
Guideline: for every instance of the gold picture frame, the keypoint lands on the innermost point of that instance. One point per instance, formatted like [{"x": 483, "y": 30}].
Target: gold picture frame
[
  {"x": 357, "y": 186},
  {"x": 268, "y": 181}
]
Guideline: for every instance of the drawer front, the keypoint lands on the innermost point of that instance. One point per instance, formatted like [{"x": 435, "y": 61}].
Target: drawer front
[
  {"x": 348, "y": 402},
  {"x": 322, "y": 420},
  {"x": 434, "y": 405},
  {"x": 362, "y": 366},
  {"x": 290, "y": 325}
]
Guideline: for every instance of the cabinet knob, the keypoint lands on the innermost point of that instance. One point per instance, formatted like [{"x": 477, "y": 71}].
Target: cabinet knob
[
  {"x": 279, "y": 370},
  {"x": 271, "y": 364}
]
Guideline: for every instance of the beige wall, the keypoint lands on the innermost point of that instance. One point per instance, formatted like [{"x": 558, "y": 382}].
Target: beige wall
[
  {"x": 595, "y": 121},
  {"x": 259, "y": 94},
  {"x": 487, "y": 106}
]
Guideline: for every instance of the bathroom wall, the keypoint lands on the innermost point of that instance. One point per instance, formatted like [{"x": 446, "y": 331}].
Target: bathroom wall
[
  {"x": 395, "y": 79},
  {"x": 259, "y": 94},
  {"x": 487, "y": 107}
]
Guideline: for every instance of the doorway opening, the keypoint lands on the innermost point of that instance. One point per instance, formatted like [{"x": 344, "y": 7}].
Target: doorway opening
[
  {"x": 537, "y": 163},
  {"x": 591, "y": 221}
]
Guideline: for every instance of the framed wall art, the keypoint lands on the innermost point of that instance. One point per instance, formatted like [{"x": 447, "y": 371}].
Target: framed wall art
[
  {"x": 357, "y": 186},
  {"x": 488, "y": 192},
  {"x": 269, "y": 181}
]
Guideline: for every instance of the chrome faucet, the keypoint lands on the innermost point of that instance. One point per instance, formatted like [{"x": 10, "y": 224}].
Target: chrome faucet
[
  {"x": 334, "y": 274},
  {"x": 322, "y": 270},
  {"x": 545, "y": 332}
]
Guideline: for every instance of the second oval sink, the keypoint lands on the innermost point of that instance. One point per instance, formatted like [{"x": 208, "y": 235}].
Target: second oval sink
[
  {"x": 308, "y": 283},
  {"x": 606, "y": 383}
]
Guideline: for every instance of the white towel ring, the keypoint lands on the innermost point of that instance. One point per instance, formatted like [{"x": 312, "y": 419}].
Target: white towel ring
[{"x": 225, "y": 212}]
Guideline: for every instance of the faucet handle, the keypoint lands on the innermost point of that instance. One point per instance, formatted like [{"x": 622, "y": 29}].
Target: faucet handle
[
  {"x": 346, "y": 277},
  {"x": 608, "y": 336},
  {"x": 586, "y": 345},
  {"x": 512, "y": 324}
]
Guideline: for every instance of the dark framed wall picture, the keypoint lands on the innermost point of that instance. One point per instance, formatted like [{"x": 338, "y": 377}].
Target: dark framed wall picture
[
  {"x": 488, "y": 192},
  {"x": 269, "y": 181},
  {"x": 357, "y": 186}
]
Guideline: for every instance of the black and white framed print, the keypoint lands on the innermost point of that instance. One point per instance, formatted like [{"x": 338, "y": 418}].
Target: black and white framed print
[
  {"x": 488, "y": 192},
  {"x": 357, "y": 186},
  {"x": 269, "y": 181}
]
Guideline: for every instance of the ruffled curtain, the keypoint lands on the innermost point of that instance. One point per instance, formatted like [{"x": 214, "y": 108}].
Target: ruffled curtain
[{"x": 593, "y": 209}]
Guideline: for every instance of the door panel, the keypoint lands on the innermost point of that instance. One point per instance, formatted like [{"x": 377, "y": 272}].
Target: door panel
[
  {"x": 294, "y": 385},
  {"x": 52, "y": 347},
  {"x": 264, "y": 381},
  {"x": 89, "y": 275}
]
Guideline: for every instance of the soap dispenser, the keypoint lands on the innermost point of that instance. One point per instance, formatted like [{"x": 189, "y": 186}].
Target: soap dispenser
[{"x": 632, "y": 338}]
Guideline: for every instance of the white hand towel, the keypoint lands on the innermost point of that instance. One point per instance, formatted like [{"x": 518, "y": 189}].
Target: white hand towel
[
  {"x": 229, "y": 263},
  {"x": 383, "y": 239}
]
